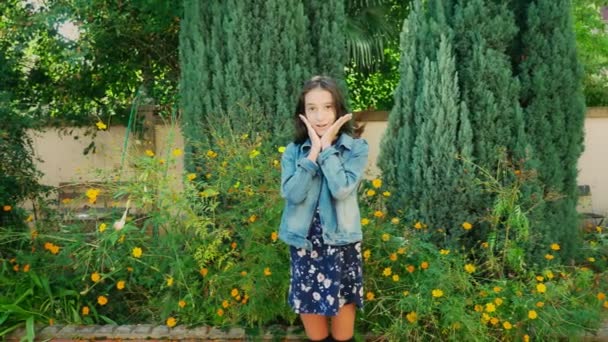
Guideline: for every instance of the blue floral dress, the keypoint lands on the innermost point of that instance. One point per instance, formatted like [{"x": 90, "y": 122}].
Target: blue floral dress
[{"x": 326, "y": 278}]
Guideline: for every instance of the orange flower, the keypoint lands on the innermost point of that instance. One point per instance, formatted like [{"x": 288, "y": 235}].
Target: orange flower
[
  {"x": 393, "y": 257},
  {"x": 95, "y": 277},
  {"x": 411, "y": 268},
  {"x": 378, "y": 214},
  {"x": 233, "y": 245},
  {"x": 85, "y": 310},
  {"x": 26, "y": 268},
  {"x": 370, "y": 296},
  {"x": 102, "y": 300},
  {"x": 418, "y": 225},
  {"x": 601, "y": 296},
  {"x": 225, "y": 304},
  {"x": 171, "y": 322},
  {"x": 424, "y": 265},
  {"x": 267, "y": 271},
  {"x": 204, "y": 271},
  {"x": 120, "y": 285},
  {"x": 182, "y": 304},
  {"x": 252, "y": 218},
  {"x": 7, "y": 208},
  {"x": 220, "y": 312},
  {"x": 274, "y": 236}
]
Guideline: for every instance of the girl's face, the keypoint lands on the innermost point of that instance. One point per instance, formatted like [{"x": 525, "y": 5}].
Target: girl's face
[{"x": 320, "y": 110}]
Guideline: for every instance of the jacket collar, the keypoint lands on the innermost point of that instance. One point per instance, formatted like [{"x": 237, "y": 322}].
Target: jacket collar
[{"x": 344, "y": 140}]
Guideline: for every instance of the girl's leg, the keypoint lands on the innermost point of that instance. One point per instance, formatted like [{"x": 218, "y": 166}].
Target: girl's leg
[
  {"x": 316, "y": 326},
  {"x": 343, "y": 324}
]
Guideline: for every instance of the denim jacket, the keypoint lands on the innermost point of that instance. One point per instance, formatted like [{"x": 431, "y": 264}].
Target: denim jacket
[{"x": 331, "y": 184}]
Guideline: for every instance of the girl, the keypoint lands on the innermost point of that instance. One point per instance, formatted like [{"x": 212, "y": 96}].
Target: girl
[{"x": 321, "y": 171}]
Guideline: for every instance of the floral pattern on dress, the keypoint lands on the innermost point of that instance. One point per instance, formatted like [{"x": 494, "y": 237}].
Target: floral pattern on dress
[{"x": 325, "y": 278}]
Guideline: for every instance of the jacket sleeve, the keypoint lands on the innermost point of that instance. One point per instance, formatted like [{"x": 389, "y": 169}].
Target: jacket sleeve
[
  {"x": 344, "y": 174},
  {"x": 296, "y": 176}
]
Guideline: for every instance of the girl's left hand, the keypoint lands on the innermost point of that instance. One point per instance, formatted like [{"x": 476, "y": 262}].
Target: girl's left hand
[{"x": 329, "y": 136}]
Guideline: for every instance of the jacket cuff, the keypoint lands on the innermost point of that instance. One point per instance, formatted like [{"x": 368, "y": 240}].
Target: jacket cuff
[
  {"x": 308, "y": 165},
  {"x": 326, "y": 153}
]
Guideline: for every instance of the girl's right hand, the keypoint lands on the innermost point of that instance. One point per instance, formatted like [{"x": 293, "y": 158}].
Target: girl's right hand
[{"x": 314, "y": 139}]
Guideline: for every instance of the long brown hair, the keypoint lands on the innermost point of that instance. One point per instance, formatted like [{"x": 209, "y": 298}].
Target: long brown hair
[{"x": 325, "y": 83}]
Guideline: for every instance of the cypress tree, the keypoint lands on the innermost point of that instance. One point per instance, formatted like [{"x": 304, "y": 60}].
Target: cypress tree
[
  {"x": 242, "y": 60},
  {"x": 484, "y": 32},
  {"x": 554, "y": 115},
  {"x": 428, "y": 127}
]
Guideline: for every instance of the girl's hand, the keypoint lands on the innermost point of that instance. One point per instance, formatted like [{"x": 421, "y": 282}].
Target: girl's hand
[
  {"x": 314, "y": 139},
  {"x": 333, "y": 130}
]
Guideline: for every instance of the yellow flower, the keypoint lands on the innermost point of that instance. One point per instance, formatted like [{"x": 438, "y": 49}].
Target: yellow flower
[
  {"x": 122, "y": 238},
  {"x": 437, "y": 293},
  {"x": 129, "y": 269},
  {"x": 177, "y": 152},
  {"x": 281, "y": 149},
  {"x": 478, "y": 308},
  {"x": 274, "y": 236},
  {"x": 386, "y": 194},
  {"x": 395, "y": 277},
  {"x": 211, "y": 154},
  {"x": 485, "y": 245},
  {"x": 485, "y": 317},
  {"x": 378, "y": 214},
  {"x": 102, "y": 227},
  {"x": 555, "y": 247},
  {"x": 191, "y": 176},
  {"x": 169, "y": 281},
  {"x": 490, "y": 307},
  {"x": 267, "y": 271},
  {"x": 92, "y": 194},
  {"x": 385, "y": 237},
  {"x": 85, "y": 310},
  {"x": 137, "y": 252},
  {"x": 526, "y": 338},
  {"x": 161, "y": 161},
  {"x": 507, "y": 325},
  {"x": 377, "y": 183},
  {"x": 120, "y": 284},
  {"x": 541, "y": 288},
  {"x": 494, "y": 320},
  {"x": 540, "y": 278},
  {"x": 591, "y": 259},
  {"x": 598, "y": 229},
  {"x": 393, "y": 257},
  {"x": 171, "y": 322},
  {"x": 411, "y": 317},
  {"x": 100, "y": 125},
  {"x": 540, "y": 304},
  {"x": 444, "y": 251},
  {"x": 370, "y": 295},
  {"x": 395, "y": 220},
  {"x": 406, "y": 293},
  {"x": 549, "y": 274},
  {"x": 469, "y": 268},
  {"x": 467, "y": 226},
  {"x": 225, "y": 304},
  {"x": 26, "y": 268},
  {"x": 220, "y": 312},
  {"x": 601, "y": 296},
  {"x": 54, "y": 249},
  {"x": 149, "y": 153},
  {"x": 549, "y": 256},
  {"x": 418, "y": 225},
  {"x": 424, "y": 265},
  {"x": 497, "y": 289},
  {"x": 254, "y": 153},
  {"x": 366, "y": 254},
  {"x": 498, "y": 301},
  {"x": 364, "y": 221},
  {"x": 532, "y": 314},
  {"x": 243, "y": 273},
  {"x": 370, "y": 192},
  {"x": 181, "y": 303},
  {"x": 234, "y": 292},
  {"x": 252, "y": 218},
  {"x": 605, "y": 305},
  {"x": 102, "y": 300},
  {"x": 401, "y": 250},
  {"x": 387, "y": 272},
  {"x": 95, "y": 277}
]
